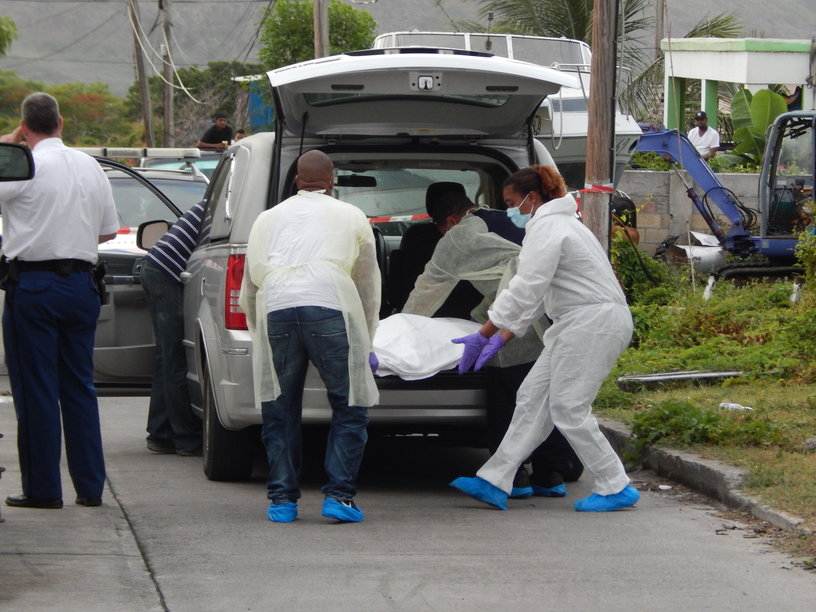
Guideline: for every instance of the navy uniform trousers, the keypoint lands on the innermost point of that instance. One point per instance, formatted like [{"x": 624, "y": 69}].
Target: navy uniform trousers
[{"x": 49, "y": 323}]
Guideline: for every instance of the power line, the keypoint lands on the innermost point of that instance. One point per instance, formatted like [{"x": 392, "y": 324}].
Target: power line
[
  {"x": 254, "y": 39},
  {"x": 136, "y": 26},
  {"x": 174, "y": 69},
  {"x": 235, "y": 25},
  {"x": 72, "y": 43}
]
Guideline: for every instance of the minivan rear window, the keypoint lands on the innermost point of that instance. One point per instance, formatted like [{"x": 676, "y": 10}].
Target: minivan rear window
[{"x": 399, "y": 192}]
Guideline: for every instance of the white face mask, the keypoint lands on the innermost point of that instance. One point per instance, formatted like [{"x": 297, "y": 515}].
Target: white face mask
[{"x": 516, "y": 217}]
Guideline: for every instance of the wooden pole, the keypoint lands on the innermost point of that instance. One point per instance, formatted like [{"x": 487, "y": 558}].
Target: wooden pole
[
  {"x": 169, "y": 77},
  {"x": 601, "y": 130},
  {"x": 321, "y": 28},
  {"x": 660, "y": 6},
  {"x": 144, "y": 93}
]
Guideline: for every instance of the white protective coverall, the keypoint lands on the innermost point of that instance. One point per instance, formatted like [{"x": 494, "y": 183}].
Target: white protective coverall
[
  {"x": 470, "y": 251},
  {"x": 281, "y": 247},
  {"x": 564, "y": 271}
]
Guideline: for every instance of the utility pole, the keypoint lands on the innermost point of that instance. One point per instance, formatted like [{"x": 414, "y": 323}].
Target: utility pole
[
  {"x": 169, "y": 120},
  {"x": 659, "y": 10},
  {"x": 601, "y": 130},
  {"x": 321, "y": 28},
  {"x": 144, "y": 93}
]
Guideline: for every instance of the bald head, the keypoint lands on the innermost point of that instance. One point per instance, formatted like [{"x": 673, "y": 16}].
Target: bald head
[{"x": 315, "y": 171}]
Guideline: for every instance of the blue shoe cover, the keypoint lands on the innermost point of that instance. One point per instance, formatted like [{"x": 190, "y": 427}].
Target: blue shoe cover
[
  {"x": 282, "y": 513},
  {"x": 344, "y": 511},
  {"x": 556, "y": 491},
  {"x": 608, "y": 503},
  {"x": 521, "y": 492},
  {"x": 482, "y": 491}
]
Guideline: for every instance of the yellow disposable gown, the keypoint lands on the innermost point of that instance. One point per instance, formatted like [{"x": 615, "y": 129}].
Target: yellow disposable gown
[
  {"x": 470, "y": 251},
  {"x": 331, "y": 234}
]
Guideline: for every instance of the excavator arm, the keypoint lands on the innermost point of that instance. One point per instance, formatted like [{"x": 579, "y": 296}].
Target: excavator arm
[{"x": 678, "y": 148}]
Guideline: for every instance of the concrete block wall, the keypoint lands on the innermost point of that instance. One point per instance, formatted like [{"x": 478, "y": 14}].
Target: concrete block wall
[{"x": 664, "y": 209}]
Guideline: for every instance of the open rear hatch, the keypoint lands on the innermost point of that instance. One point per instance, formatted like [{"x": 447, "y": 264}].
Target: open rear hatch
[{"x": 411, "y": 92}]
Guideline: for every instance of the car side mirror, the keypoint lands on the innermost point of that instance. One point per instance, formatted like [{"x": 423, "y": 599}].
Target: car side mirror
[
  {"x": 150, "y": 232},
  {"x": 16, "y": 162}
]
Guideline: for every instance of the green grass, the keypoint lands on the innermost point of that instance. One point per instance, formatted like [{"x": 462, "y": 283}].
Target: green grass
[
  {"x": 754, "y": 329},
  {"x": 767, "y": 441}
]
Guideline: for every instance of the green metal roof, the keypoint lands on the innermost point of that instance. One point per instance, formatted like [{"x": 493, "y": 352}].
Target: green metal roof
[{"x": 760, "y": 45}]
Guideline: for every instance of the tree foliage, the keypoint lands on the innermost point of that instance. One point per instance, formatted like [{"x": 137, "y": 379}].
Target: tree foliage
[
  {"x": 8, "y": 32},
  {"x": 644, "y": 94},
  {"x": 566, "y": 18},
  {"x": 288, "y": 32},
  {"x": 93, "y": 116},
  {"x": 751, "y": 116},
  {"x": 205, "y": 92}
]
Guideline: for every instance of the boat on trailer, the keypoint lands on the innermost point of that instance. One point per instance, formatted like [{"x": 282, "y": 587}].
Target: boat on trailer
[{"x": 562, "y": 120}]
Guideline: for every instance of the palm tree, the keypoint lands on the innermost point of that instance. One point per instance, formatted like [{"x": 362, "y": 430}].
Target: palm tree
[
  {"x": 570, "y": 19},
  {"x": 642, "y": 95}
]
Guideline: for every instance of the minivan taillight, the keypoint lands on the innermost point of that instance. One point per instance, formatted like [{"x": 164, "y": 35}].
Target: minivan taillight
[{"x": 234, "y": 317}]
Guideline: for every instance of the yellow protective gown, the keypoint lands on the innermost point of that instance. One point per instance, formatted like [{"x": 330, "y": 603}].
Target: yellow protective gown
[
  {"x": 331, "y": 234},
  {"x": 470, "y": 251}
]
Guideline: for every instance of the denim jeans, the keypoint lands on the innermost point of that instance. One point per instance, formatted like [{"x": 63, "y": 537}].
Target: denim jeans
[
  {"x": 299, "y": 336},
  {"x": 170, "y": 419}
]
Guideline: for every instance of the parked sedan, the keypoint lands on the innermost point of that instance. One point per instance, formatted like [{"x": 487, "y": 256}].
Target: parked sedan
[{"x": 123, "y": 354}]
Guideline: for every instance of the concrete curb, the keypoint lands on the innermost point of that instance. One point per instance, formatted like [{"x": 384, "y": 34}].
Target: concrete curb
[{"x": 715, "y": 479}]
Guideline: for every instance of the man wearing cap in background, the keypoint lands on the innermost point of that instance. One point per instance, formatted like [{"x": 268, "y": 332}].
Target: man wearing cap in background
[
  {"x": 218, "y": 135},
  {"x": 704, "y": 138}
]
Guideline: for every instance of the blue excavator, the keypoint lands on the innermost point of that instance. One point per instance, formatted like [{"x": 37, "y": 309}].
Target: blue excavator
[{"x": 786, "y": 200}]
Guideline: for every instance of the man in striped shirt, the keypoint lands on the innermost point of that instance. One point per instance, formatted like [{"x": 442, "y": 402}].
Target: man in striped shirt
[{"x": 171, "y": 425}]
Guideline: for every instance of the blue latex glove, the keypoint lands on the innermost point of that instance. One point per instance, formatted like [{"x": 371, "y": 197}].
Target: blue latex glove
[
  {"x": 373, "y": 362},
  {"x": 474, "y": 343},
  {"x": 493, "y": 346}
]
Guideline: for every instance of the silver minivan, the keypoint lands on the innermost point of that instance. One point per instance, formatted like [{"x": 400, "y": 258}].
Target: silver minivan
[{"x": 393, "y": 121}]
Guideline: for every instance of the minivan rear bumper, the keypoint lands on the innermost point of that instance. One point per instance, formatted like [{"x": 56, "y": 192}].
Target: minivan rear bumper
[{"x": 422, "y": 406}]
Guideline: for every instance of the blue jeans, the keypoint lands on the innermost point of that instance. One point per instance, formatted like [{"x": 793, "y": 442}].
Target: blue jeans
[
  {"x": 298, "y": 336},
  {"x": 49, "y": 323},
  {"x": 170, "y": 420}
]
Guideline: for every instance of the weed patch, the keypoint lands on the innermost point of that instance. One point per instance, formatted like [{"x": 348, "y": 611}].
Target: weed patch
[{"x": 755, "y": 329}]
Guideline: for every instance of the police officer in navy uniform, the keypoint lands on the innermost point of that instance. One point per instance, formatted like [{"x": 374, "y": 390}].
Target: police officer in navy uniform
[{"x": 52, "y": 225}]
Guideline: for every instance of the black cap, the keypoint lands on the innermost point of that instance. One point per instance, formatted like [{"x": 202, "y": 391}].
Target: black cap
[
  {"x": 701, "y": 115},
  {"x": 437, "y": 191},
  {"x": 220, "y": 116}
]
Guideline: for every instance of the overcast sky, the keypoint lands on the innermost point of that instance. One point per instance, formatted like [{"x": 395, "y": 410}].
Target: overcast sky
[{"x": 92, "y": 40}]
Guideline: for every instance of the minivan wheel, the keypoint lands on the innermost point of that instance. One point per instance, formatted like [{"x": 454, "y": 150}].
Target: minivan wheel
[{"x": 227, "y": 454}]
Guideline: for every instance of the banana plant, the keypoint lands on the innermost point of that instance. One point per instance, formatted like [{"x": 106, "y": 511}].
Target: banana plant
[{"x": 751, "y": 115}]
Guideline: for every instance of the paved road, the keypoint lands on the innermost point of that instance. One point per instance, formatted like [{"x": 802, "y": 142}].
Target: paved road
[{"x": 168, "y": 539}]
